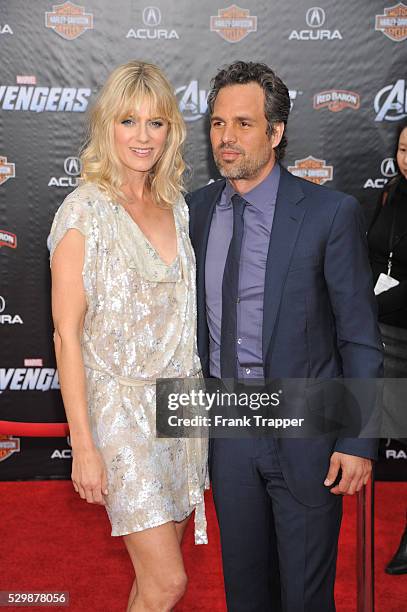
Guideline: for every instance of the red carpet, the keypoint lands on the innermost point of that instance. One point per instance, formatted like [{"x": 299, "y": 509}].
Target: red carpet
[{"x": 52, "y": 540}]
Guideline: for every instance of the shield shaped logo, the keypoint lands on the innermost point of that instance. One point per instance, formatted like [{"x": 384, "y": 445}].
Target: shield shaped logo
[
  {"x": 393, "y": 23},
  {"x": 8, "y": 446},
  {"x": 312, "y": 169},
  {"x": 69, "y": 20},
  {"x": 233, "y": 23},
  {"x": 7, "y": 170}
]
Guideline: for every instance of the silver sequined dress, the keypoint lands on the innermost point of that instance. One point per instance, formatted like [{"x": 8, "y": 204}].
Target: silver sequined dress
[{"x": 139, "y": 325}]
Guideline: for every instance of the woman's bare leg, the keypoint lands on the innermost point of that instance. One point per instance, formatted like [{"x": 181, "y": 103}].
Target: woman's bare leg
[
  {"x": 132, "y": 595},
  {"x": 180, "y": 528},
  {"x": 158, "y": 564}
]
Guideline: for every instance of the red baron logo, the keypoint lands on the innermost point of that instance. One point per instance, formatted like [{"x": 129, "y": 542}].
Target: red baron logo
[
  {"x": 69, "y": 20},
  {"x": 8, "y": 239},
  {"x": 8, "y": 446},
  {"x": 233, "y": 23},
  {"x": 393, "y": 23},
  {"x": 7, "y": 170},
  {"x": 336, "y": 100},
  {"x": 312, "y": 169}
]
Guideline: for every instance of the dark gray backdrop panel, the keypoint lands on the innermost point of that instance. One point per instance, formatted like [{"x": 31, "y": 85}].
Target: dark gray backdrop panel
[{"x": 343, "y": 53}]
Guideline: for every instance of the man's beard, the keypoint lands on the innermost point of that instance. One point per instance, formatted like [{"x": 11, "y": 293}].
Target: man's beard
[{"x": 243, "y": 168}]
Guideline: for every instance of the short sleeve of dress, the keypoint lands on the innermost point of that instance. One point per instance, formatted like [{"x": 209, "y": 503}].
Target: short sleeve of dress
[
  {"x": 183, "y": 212},
  {"x": 74, "y": 213}
]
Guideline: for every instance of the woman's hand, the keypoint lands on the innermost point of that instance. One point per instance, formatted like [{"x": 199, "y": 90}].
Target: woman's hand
[{"x": 89, "y": 475}]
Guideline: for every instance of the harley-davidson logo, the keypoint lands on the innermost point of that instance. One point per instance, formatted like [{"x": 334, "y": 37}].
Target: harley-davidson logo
[
  {"x": 69, "y": 20},
  {"x": 8, "y": 446},
  {"x": 393, "y": 23},
  {"x": 233, "y": 23},
  {"x": 312, "y": 169},
  {"x": 7, "y": 170}
]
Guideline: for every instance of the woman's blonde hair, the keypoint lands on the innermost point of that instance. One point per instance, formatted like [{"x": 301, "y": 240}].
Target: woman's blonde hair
[{"x": 125, "y": 89}]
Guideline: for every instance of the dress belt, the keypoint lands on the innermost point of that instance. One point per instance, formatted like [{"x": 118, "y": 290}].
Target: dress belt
[
  {"x": 195, "y": 493},
  {"x": 133, "y": 382}
]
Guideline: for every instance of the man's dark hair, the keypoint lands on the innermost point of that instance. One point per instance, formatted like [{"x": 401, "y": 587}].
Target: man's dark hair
[{"x": 276, "y": 96}]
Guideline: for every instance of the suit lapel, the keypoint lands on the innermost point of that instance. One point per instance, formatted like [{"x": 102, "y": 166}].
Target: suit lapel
[
  {"x": 287, "y": 222},
  {"x": 203, "y": 213}
]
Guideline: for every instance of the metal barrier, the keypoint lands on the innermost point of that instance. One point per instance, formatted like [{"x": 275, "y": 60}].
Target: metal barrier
[{"x": 365, "y": 548}]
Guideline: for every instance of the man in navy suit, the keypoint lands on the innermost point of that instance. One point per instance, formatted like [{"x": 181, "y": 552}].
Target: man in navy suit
[{"x": 284, "y": 290}]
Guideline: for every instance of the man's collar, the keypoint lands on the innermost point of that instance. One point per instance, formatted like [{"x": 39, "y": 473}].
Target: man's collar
[{"x": 261, "y": 196}]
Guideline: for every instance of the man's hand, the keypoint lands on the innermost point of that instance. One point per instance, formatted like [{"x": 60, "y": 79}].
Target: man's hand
[{"x": 355, "y": 473}]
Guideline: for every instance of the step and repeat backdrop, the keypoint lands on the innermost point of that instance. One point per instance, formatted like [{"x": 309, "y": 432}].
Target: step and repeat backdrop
[{"x": 343, "y": 62}]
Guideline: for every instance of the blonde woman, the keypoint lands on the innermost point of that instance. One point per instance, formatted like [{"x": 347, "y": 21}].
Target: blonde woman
[{"x": 123, "y": 302}]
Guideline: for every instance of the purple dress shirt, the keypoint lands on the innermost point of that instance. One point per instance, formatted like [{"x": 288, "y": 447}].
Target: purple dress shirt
[{"x": 258, "y": 221}]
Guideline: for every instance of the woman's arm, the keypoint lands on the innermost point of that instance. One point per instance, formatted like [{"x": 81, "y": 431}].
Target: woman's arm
[{"x": 68, "y": 310}]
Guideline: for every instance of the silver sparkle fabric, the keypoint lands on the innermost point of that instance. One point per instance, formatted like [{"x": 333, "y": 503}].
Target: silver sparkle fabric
[{"x": 139, "y": 325}]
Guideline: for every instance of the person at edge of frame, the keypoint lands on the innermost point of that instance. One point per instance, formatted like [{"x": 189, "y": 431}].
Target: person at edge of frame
[
  {"x": 298, "y": 303},
  {"x": 387, "y": 240},
  {"x": 124, "y": 311}
]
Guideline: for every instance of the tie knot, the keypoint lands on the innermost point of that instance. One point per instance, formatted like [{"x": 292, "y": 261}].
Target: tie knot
[{"x": 239, "y": 204}]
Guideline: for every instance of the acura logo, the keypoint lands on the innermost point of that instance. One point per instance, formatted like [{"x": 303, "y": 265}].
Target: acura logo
[
  {"x": 2, "y": 303},
  {"x": 315, "y": 17},
  {"x": 388, "y": 167},
  {"x": 72, "y": 166},
  {"x": 152, "y": 16}
]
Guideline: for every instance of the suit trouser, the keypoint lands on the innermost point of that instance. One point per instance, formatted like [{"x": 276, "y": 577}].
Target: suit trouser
[{"x": 268, "y": 537}]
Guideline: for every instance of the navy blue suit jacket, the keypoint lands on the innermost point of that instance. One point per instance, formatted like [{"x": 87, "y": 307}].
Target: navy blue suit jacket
[{"x": 320, "y": 312}]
